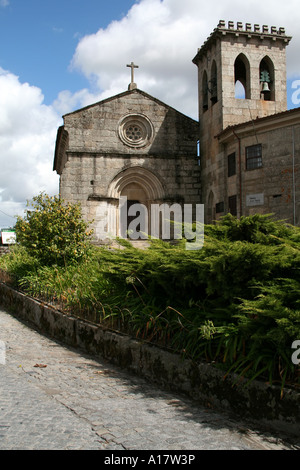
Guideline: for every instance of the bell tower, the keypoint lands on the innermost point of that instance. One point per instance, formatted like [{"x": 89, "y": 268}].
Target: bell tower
[
  {"x": 241, "y": 77},
  {"x": 242, "y": 70}
]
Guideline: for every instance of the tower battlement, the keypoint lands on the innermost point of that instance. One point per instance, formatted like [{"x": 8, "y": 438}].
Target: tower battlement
[{"x": 247, "y": 30}]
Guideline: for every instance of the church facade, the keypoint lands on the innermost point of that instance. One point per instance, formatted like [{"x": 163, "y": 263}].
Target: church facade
[
  {"x": 129, "y": 146},
  {"x": 134, "y": 146}
]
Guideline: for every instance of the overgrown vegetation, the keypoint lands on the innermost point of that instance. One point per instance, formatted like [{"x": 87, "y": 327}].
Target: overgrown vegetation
[{"x": 235, "y": 302}]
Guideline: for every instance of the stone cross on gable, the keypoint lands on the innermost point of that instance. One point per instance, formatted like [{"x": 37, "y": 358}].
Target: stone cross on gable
[{"x": 132, "y": 85}]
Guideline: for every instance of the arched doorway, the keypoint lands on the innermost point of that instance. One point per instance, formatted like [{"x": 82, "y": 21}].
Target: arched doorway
[
  {"x": 139, "y": 188},
  {"x": 136, "y": 217}
]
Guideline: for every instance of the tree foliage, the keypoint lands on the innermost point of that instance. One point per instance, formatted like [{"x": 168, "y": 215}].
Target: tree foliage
[{"x": 53, "y": 231}]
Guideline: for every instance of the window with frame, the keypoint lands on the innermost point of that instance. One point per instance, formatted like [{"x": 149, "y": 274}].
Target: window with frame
[
  {"x": 219, "y": 207},
  {"x": 232, "y": 205},
  {"x": 231, "y": 164},
  {"x": 254, "y": 157}
]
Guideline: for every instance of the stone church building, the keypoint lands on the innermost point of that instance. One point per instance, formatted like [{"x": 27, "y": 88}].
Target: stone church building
[{"x": 133, "y": 145}]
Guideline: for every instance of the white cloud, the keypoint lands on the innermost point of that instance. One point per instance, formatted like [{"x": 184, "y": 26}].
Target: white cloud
[
  {"x": 162, "y": 37},
  {"x": 67, "y": 101},
  {"x": 27, "y": 138}
]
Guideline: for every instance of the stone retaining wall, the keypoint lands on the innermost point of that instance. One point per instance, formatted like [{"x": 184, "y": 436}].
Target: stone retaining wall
[{"x": 200, "y": 382}]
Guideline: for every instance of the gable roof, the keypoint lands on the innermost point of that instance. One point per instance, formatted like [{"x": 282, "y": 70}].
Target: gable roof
[
  {"x": 127, "y": 93},
  {"x": 62, "y": 138}
]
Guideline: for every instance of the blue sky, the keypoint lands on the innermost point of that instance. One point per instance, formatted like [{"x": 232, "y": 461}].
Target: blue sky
[
  {"x": 60, "y": 55},
  {"x": 40, "y": 37}
]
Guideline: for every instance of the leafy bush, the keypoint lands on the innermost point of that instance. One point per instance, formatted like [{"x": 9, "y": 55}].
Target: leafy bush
[{"x": 53, "y": 231}]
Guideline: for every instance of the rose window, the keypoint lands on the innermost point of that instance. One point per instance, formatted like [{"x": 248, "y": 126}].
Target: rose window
[
  {"x": 134, "y": 133},
  {"x": 135, "y": 130}
]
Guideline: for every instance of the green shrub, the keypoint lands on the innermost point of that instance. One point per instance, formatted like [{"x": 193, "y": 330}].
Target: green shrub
[
  {"x": 53, "y": 231},
  {"x": 235, "y": 302}
]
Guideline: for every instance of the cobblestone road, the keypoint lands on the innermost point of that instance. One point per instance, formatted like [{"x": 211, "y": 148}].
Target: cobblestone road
[{"x": 52, "y": 397}]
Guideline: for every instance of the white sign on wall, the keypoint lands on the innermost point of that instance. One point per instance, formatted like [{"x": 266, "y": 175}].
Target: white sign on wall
[{"x": 255, "y": 200}]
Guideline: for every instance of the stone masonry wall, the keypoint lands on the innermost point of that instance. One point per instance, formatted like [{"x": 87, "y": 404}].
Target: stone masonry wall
[
  {"x": 274, "y": 184},
  {"x": 97, "y": 154},
  {"x": 252, "y": 45}
]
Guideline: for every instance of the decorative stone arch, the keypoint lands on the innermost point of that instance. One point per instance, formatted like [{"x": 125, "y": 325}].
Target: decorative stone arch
[
  {"x": 138, "y": 185},
  {"x": 150, "y": 183}
]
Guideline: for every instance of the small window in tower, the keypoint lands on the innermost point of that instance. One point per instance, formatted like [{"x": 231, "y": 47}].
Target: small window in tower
[
  {"x": 242, "y": 77},
  {"x": 214, "y": 83},
  {"x": 231, "y": 164},
  {"x": 254, "y": 157},
  {"x": 266, "y": 77},
  {"x": 198, "y": 153},
  {"x": 205, "y": 92}
]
